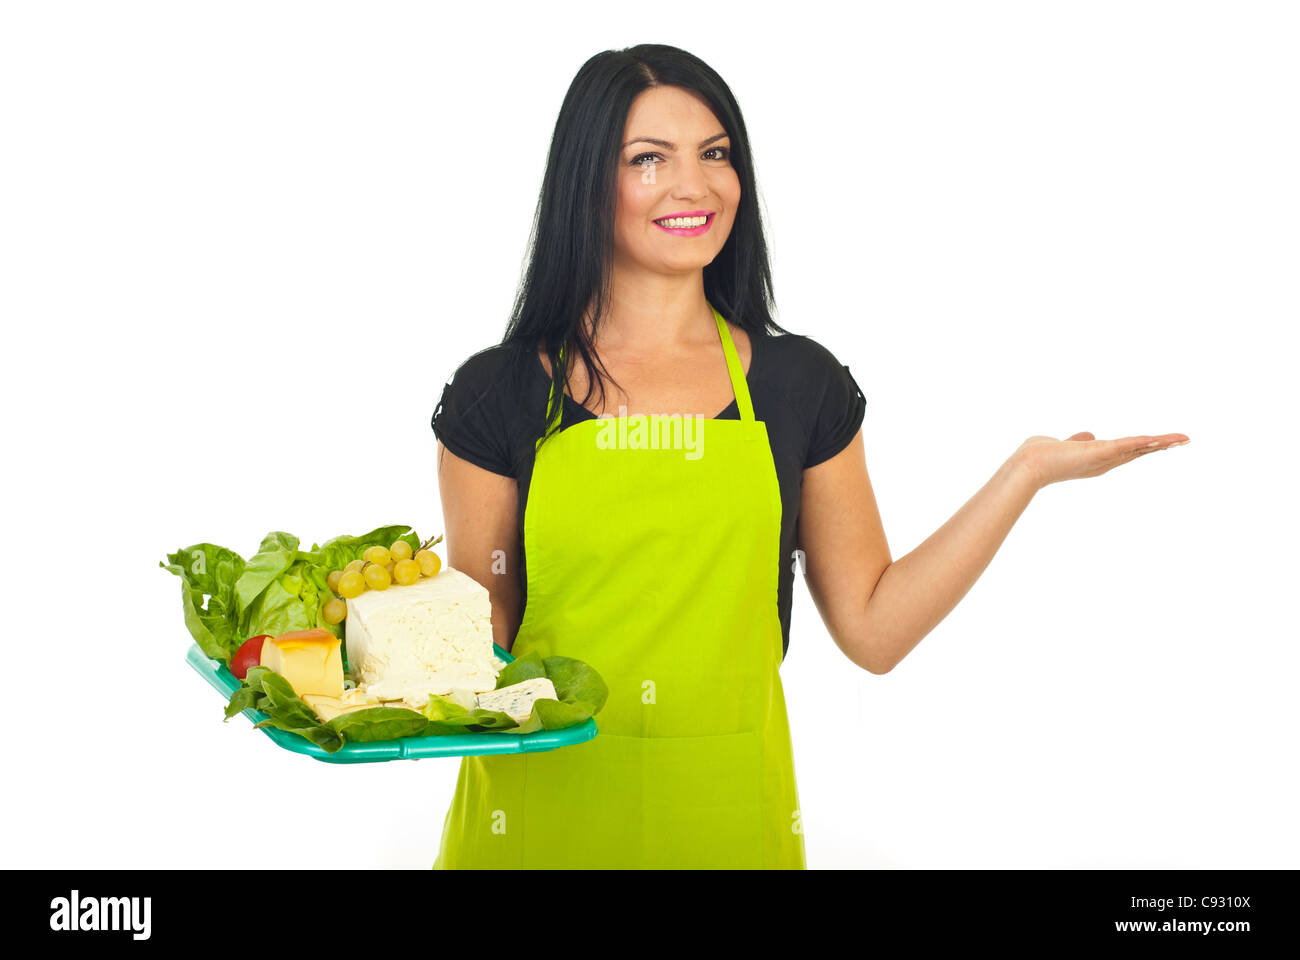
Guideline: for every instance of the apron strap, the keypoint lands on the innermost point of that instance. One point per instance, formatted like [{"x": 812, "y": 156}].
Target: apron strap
[{"x": 737, "y": 372}]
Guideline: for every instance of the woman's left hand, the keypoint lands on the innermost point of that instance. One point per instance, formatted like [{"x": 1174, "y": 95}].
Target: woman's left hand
[{"x": 1049, "y": 460}]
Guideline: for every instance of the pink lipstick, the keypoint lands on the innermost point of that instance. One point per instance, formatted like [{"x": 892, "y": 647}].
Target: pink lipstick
[{"x": 686, "y": 231}]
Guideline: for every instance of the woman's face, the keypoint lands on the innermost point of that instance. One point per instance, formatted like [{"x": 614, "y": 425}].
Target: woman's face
[{"x": 675, "y": 161}]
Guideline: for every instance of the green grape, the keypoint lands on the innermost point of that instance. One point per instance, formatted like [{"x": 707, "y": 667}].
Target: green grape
[
  {"x": 406, "y": 571},
  {"x": 354, "y": 565},
  {"x": 400, "y": 550},
  {"x": 334, "y": 611},
  {"x": 377, "y": 555},
  {"x": 332, "y": 581},
  {"x": 352, "y": 584},
  {"x": 429, "y": 562},
  {"x": 378, "y": 577}
]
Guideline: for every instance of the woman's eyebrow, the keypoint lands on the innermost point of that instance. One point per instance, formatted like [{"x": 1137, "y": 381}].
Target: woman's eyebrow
[{"x": 668, "y": 144}]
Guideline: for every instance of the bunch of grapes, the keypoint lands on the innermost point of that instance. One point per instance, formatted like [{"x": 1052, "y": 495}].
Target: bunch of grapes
[{"x": 378, "y": 568}]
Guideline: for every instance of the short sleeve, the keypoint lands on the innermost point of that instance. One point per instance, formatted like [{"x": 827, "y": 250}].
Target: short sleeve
[
  {"x": 469, "y": 418},
  {"x": 839, "y": 409}
]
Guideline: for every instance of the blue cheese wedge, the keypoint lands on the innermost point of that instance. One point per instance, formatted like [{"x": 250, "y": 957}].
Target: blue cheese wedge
[{"x": 516, "y": 701}]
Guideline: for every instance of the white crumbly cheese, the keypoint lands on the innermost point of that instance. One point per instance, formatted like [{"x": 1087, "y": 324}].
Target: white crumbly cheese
[
  {"x": 516, "y": 700},
  {"x": 431, "y": 636}
]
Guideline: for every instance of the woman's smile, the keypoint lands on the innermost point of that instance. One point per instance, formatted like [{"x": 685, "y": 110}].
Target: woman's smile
[{"x": 690, "y": 224}]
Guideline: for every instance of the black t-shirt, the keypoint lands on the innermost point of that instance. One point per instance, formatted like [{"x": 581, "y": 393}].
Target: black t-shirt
[{"x": 809, "y": 400}]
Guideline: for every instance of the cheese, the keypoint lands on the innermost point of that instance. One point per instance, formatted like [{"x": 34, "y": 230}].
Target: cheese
[
  {"x": 327, "y": 708},
  {"x": 431, "y": 636},
  {"x": 516, "y": 701},
  {"x": 463, "y": 697},
  {"x": 311, "y": 660}
]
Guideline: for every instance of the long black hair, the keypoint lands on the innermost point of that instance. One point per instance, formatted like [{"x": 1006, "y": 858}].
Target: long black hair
[{"x": 568, "y": 270}]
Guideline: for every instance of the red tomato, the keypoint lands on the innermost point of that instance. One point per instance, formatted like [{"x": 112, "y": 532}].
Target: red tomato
[{"x": 248, "y": 655}]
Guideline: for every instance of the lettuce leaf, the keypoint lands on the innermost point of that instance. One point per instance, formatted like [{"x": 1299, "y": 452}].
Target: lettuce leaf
[
  {"x": 209, "y": 571},
  {"x": 457, "y": 719},
  {"x": 276, "y": 554},
  {"x": 226, "y": 600},
  {"x": 337, "y": 553},
  {"x": 292, "y": 601}
]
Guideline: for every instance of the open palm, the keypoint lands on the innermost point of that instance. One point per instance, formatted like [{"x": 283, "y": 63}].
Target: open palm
[{"x": 1083, "y": 455}]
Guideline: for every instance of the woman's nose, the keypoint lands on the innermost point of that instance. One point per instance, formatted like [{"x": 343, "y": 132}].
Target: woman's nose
[{"x": 689, "y": 182}]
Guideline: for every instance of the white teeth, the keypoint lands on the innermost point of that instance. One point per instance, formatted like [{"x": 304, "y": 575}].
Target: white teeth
[{"x": 679, "y": 223}]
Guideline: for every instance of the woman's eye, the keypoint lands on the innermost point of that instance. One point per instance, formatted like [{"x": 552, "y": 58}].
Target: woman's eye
[{"x": 642, "y": 159}]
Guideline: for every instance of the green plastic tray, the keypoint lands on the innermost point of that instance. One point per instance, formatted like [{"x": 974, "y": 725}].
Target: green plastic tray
[{"x": 406, "y": 748}]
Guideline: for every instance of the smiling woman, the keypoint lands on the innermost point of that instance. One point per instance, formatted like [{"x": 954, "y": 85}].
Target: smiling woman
[
  {"x": 669, "y": 574},
  {"x": 668, "y": 565}
]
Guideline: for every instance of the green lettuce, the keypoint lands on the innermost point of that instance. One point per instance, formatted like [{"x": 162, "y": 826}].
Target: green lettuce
[
  {"x": 338, "y": 553},
  {"x": 454, "y": 718},
  {"x": 209, "y": 575},
  {"x": 226, "y": 599}
]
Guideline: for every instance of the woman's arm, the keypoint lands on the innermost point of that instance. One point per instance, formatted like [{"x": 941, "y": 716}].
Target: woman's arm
[
  {"x": 878, "y": 609},
  {"x": 480, "y": 510}
]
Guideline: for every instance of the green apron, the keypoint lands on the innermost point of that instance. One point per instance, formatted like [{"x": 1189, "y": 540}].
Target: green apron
[{"x": 658, "y": 566}]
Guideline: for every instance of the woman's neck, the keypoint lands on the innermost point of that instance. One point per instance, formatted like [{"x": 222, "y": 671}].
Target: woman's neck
[{"x": 653, "y": 313}]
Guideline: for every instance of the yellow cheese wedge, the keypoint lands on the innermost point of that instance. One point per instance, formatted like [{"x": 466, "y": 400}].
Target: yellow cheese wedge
[
  {"x": 327, "y": 708},
  {"x": 311, "y": 660}
]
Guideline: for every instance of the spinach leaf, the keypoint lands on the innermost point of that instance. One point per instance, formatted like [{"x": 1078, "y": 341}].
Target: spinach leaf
[
  {"x": 527, "y": 667},
  {"x": 577, "y": 683},
  {"x": 378, "y": 723},
  {"x": 580, "y": 690},
  {"x": 265, "y": 690}
]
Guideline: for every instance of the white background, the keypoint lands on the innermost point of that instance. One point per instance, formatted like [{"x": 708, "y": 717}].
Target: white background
[{"x": 245, "y": 244}]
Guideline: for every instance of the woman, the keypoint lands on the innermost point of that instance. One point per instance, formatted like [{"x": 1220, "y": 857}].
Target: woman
[{"x": 642, "y": 531}]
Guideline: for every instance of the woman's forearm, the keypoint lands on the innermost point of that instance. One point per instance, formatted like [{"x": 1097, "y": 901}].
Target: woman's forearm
[{"x": 918, "y": 590}]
